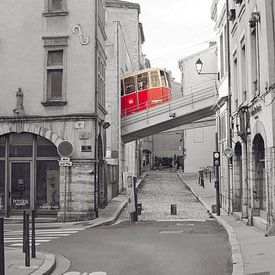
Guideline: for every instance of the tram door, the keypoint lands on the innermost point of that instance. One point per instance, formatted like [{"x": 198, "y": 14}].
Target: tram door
[{"x": 20, "y": 176}]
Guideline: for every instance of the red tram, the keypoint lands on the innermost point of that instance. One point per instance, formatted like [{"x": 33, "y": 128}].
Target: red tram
[{"x": 144, "y": 89}]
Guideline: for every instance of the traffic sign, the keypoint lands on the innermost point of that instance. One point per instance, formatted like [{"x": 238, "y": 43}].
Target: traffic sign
[{"x": 65, "y": 163}]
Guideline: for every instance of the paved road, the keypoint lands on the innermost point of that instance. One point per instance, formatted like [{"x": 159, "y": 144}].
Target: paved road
[
  {"x": 191, "y": 244},
  {"x": 160, "y": 190}
]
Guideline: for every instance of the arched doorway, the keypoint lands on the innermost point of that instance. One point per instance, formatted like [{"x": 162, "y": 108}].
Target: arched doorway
[
  {"x": 237, "y": 200},
  {"x": 258, "y": 166},
  {"x": 29, "y": 174}
]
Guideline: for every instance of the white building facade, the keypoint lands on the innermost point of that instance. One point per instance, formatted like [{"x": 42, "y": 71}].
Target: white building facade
[{"x": 53, "y": 97}]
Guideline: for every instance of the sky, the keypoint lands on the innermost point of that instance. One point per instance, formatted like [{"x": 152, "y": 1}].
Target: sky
[{"x": 175, "y": 29}]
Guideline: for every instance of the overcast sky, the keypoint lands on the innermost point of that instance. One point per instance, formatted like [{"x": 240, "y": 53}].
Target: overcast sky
[{"x": 174, "y": 29}]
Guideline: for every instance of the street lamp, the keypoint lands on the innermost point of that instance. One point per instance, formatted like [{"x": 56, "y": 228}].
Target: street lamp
[
  {"x": 199, "y": 66},
  {"x": 216, "y": 154}
]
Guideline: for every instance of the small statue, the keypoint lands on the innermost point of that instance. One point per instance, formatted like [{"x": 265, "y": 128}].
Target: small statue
[{"x": 19, "y": 109}]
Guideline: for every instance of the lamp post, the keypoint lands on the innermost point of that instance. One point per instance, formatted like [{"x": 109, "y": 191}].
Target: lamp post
[
  {"x": 216, "y": 164},
  {"x": 199, "y": 66}
]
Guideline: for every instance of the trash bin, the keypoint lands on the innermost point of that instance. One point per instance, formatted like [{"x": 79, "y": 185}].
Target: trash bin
[
  {"x": 173, "y": 209},
  {"x": 139, "y": 208}
]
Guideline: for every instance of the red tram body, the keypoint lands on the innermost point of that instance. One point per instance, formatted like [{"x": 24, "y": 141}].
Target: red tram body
[{"x": 144, "y": 89}]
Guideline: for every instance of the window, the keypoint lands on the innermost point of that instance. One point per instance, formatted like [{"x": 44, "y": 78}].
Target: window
[
  {"x": 55, "y": 5},
  {"x": 254, "y": 63},
  {"x": 129, "y": 85},
  {"x": 243, "y": 70},
  {"x": 101, "y": 81},
  {"x": 162, "y": 77},
  {"x": 236, "y": 79},
  {"x": 222, "y": 55},
  {"x": 55, "y": 8},
  {"x": 142, "y": 81},
  {"x": 154, "y": 79},
  {"x": 55, "y": 70},
  {"x": 121, "y": 88},
  {"x": 55, "y": 75}
]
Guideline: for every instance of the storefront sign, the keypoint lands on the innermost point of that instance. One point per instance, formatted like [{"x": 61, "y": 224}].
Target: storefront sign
[
  {"x": 86, "y": 148},
  {"x": 20, "y": 202}
]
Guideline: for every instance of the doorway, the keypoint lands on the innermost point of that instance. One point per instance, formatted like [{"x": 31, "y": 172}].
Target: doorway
[{"x": 20, "y": 182}]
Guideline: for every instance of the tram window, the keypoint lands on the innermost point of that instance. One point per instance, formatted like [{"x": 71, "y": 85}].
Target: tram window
[
  {"x": 162, "y": 77},
  {"x": 154, "y": 79},
  {"x": 129, "y": 85},
  {"x": 168, "y": 79},
  {"x": 142, "y": 81},
  {"x": 121, "y": 88}
]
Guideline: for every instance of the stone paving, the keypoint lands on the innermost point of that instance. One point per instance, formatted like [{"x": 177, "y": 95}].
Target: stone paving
[{"x": 160, "y": 190}]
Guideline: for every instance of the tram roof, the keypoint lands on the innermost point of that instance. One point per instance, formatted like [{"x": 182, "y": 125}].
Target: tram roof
[{"x": 143, "y": 71}]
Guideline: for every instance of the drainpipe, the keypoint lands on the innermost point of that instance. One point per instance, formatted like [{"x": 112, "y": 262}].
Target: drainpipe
[
  {"x": 229, "y": 130},
  {"x": 96, "y": 187}
]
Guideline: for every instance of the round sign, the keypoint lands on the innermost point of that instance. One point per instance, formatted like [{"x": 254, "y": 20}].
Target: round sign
[
  {"x": 65, "y": 148},
  {"x": 228, "y": 152}
]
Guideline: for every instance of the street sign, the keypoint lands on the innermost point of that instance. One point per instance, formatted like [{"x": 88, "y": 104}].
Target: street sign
[
  {"x": 65, "y": 163},
  {"x": 228, "y": 152}
]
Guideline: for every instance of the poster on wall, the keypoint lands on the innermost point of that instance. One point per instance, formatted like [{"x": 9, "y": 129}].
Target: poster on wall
[
  {"x": 53, "y": 188},
  {"x": 128, "y": 177}
]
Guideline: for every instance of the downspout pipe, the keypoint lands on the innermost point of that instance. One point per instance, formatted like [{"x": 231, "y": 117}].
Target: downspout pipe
[
  {"x": 229, "y": 111},
  {"x": 96, "y": 189}
]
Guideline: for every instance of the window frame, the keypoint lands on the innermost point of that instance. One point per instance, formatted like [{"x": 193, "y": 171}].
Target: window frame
[{"x": 52, "y": 44}]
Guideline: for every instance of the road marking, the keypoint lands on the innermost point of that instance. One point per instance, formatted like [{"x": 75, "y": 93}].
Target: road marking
[
  {"x": 171, "y": 232},
  {"x": 181, "y": 220}
]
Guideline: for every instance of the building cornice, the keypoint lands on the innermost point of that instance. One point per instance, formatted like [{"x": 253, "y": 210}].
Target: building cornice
[{"x": 122, "y": 4}]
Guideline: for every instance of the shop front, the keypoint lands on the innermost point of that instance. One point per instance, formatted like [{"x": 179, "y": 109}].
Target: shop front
[{"x": 29, "y": 174}]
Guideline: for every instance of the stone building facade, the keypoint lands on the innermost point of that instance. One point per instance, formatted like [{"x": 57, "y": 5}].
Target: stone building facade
[
  {"x": 251, "y": 85},
  {"x": 124, "y": 51},
  {"x": 53, "y": 105}
]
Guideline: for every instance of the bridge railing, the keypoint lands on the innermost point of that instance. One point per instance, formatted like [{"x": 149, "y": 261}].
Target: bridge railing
[{"x": 188, "y": 96}]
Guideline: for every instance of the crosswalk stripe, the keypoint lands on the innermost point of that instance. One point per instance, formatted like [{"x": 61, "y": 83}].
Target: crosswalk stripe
[{"x": 14, "y": 238}]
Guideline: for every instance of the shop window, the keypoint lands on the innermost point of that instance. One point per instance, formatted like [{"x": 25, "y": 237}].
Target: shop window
[
  {"x": 45, "y": 148},
  {"x": 20, "y": 145},
  {"x": 47, "y": 184},
  {"x": 2, "y": 146}
]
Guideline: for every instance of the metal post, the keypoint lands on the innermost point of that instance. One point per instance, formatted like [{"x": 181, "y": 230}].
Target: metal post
[
  {"x": 65, "y": 195},
  {"x": 33, "y": 235},
  {"x": 135, "y": 196},
  {"x": 24, "y": 231},
  {"x": 27, "y": 243},
  {"x": 2, "y": 251},
  {"x": 217, "y": 184}
]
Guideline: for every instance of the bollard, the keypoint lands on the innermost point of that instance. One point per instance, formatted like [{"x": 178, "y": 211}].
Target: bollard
[
  {"x": 173, "y": 209},
  {"x": 33, "y": 234},
  {"x": 27, "y": 242},
  {"x": 2, "y": 251},
  {"x": 24, "y": 231},
  {"x": 210, "y": 176}
]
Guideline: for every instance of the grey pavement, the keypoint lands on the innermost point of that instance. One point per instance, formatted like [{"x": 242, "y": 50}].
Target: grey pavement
[
  {"x": 45, "y": 263},
  {"x": 252, "y": 252}
]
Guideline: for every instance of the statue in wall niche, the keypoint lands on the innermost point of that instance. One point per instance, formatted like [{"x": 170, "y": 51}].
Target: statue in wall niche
[{"x": 19, "y": 109}]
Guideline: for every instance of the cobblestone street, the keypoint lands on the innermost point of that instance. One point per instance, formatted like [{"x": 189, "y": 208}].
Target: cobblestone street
[{"x": 163, "y": 188}]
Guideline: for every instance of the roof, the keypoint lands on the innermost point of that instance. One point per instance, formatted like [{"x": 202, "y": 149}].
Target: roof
[{"x": 122, "y": 4}]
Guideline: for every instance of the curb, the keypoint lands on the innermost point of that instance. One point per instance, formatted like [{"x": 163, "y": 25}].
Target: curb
[
  {"x": 237, "y": 258},
  {"x": 48, "y": 265}
]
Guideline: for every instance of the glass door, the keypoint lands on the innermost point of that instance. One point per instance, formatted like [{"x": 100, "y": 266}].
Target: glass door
[{"x": 20, "y": 185}]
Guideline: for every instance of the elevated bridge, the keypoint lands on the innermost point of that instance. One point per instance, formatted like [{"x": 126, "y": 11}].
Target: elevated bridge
[{"x": 194, "y": 107}]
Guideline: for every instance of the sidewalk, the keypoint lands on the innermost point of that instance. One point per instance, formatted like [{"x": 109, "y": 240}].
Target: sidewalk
[
  {"x": 45, "y": 263},
  {"x": 252, "y": 252}
]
